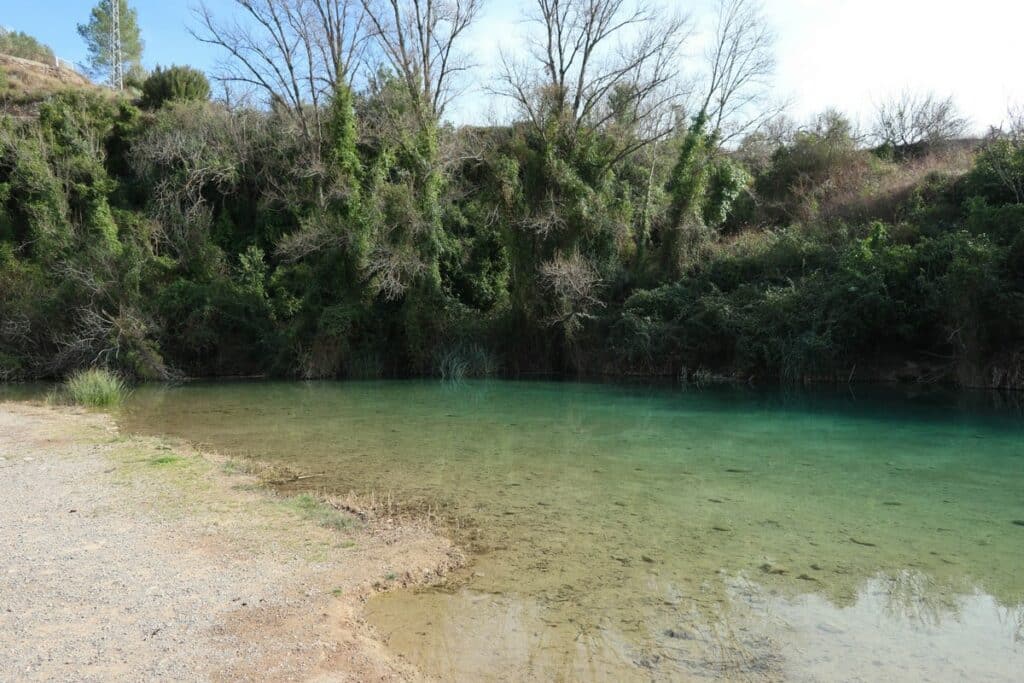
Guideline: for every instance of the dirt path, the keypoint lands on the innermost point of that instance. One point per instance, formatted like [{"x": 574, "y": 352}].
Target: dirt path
[{"x": 134, "y": 559}]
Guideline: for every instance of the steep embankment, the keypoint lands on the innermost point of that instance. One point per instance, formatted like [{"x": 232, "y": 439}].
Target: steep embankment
[{"x": 25, "y": 83}]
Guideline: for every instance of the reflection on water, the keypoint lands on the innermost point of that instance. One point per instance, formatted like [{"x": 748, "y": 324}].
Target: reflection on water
[
  {"x": 895, "y": 629},
  {"x": 631, "y": 533},
  {"x": 900, "y": 629}
]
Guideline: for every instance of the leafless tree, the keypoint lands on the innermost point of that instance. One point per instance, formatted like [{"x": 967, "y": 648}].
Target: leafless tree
[
  {"x": 419, "y": 40},
  {"x": 594, "y": 62},
  {"x": 573, "y": 283},
  {"x": 294, "y": 52},
  {"x": 911, "y": 119},
  {"x": 740, "y": 63}
]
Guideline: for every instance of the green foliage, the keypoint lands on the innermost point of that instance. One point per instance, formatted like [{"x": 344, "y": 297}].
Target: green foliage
[
  {"x": 19, "y": 44},
  {"x": 726, "y": 180},
  {"x": 95, "y": 388},
  {"x": 794, "y": 308},
  {"x": 998, "y": 174},
  {"x": 174, "y": 84},
  {"x": 198, "y": 239},
  {"x": 344, "y": 135}
]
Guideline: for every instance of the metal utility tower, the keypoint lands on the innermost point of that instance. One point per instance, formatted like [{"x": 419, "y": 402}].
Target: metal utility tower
[{"x": 116, "y": 52}]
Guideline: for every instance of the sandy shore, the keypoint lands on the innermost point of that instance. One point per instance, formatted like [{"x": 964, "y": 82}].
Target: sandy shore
[{"x": 127, "y": 558}]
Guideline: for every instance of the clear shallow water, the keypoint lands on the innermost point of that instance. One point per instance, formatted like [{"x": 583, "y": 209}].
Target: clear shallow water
[{"x": 639, "y": 533}]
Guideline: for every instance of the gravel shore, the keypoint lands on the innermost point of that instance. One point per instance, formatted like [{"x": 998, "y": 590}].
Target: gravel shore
[{"x": 135, "y": 559}]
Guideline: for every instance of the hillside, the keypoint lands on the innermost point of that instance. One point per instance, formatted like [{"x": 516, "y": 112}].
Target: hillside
[{"x": 24, "y": 83}]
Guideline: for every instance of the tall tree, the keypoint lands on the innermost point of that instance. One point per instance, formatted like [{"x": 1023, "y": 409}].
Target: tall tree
[
  {"x": 97, "y": 34},
  {"x": 295, "y": 53},
  {"x": 740, "y": 63},
  {"x": 596, "y": 62},
  {"x": 419, "y": 40}
]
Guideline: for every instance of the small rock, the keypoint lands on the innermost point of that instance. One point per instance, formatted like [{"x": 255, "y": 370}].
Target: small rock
[
  {"x": 769, "y": 568},
  {"x": 679, "y": 633}
]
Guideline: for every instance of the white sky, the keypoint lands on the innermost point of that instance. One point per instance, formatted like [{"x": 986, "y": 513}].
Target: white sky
[{"x": 847, "y": 54}]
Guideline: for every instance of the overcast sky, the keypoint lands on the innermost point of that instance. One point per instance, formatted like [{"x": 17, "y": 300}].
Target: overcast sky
[{"x": 847, "y": 54}]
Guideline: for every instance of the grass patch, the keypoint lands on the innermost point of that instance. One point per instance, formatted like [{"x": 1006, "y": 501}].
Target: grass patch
[
  {"x": 95, "y": 388},
  {"x": 314, "y": 509},
  {"x": 165, "y": 460},
  {"x": 233, "y": 467}
]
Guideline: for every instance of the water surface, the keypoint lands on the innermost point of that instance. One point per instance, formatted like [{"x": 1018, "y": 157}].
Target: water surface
[{"x": 647, "y": 533}]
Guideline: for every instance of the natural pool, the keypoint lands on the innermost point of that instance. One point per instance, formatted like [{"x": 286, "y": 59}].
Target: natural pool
[{"x": 639, "y": 533}]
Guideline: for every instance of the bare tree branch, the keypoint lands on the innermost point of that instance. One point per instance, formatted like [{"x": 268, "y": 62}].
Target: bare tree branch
[
  {"x": 295, "y": 52},
  {"x": 911, "y": 119},
  {"x": 419, "y": 40},
  {"x": 597, "y": 62},
  {"x": 740, "y": 62}
]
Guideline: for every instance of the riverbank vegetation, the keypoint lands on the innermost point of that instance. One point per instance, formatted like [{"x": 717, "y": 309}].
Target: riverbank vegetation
[
  {"x": 640, "y": 212},
  {"x": 93, "y": 388}
]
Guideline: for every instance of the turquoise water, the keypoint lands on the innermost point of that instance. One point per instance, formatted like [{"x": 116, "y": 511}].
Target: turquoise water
[{"x": 648, "y": 533}]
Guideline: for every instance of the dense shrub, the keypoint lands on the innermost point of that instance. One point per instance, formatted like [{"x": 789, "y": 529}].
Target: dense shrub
[
  {"x": 794, "y": 308},
  {"x": 205, "y": 240},
  {"x": 174, "y": 84}
]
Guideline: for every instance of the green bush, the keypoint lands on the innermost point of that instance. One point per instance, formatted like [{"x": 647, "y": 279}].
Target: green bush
[
  {"x": 18, "y": 44},
  {"x": 95, "y": 388},
  {"x": 998, "y": 173},
  {"x": 175, "y": 84}
]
